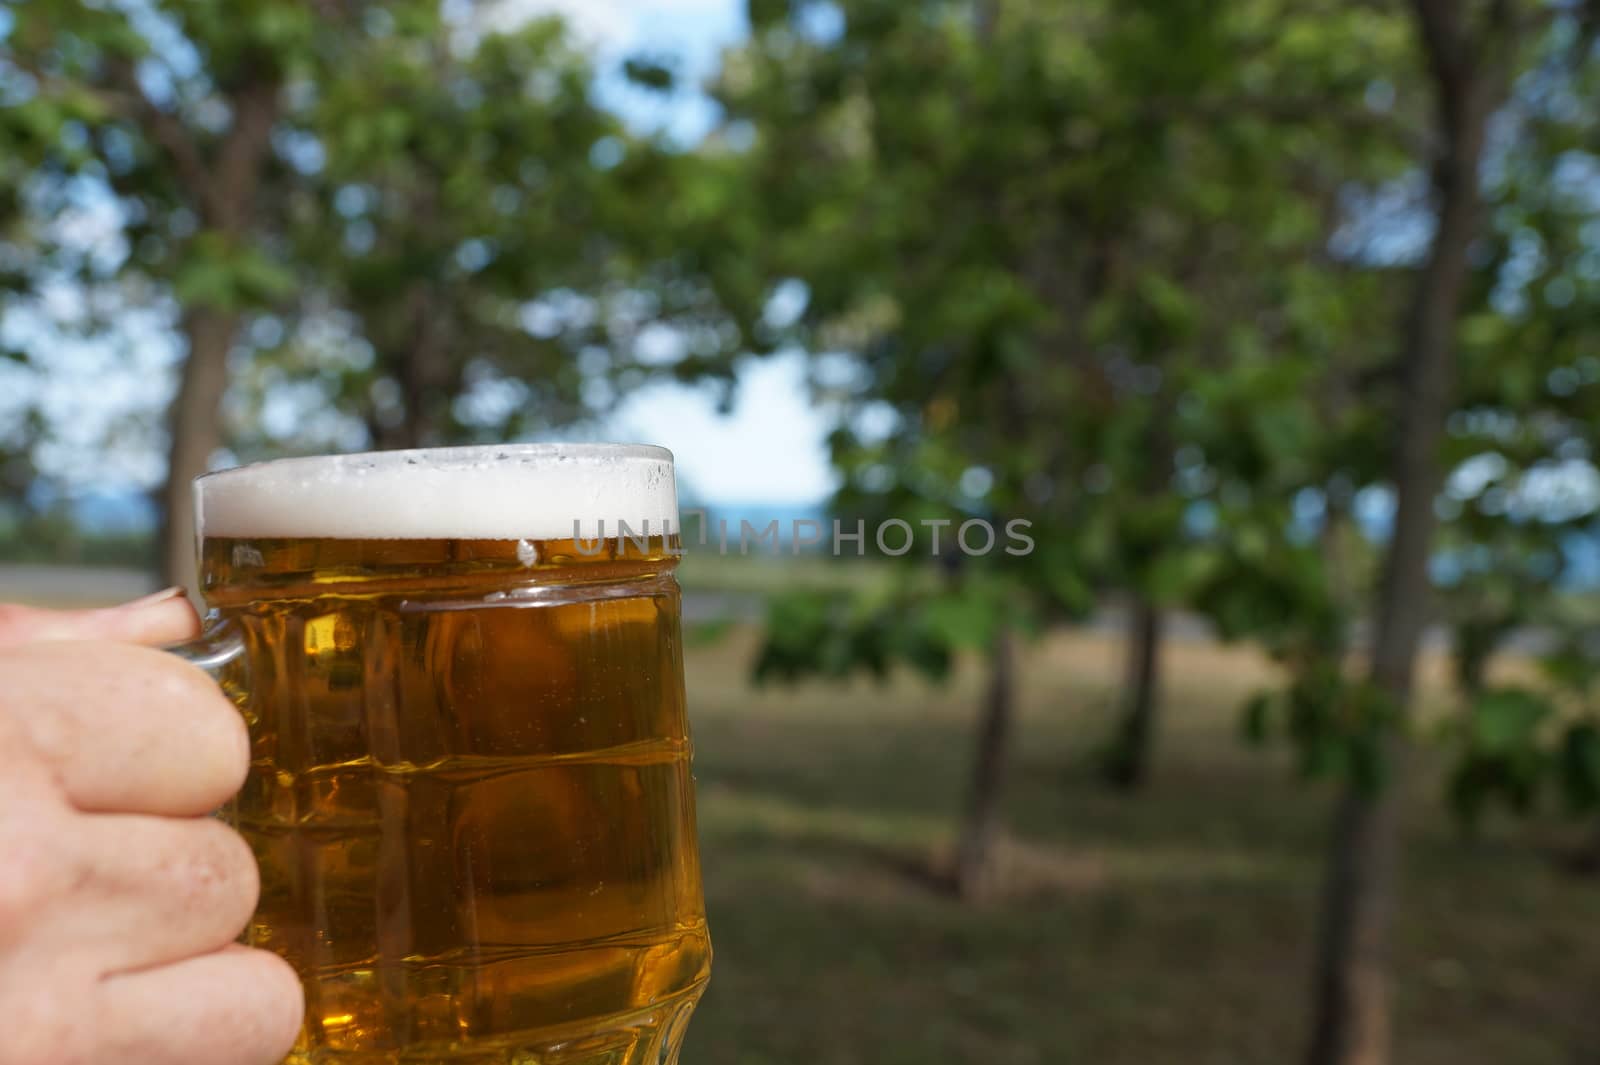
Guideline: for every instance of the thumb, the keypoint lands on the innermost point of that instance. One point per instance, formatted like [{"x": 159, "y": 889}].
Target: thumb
[{"x": 165, "y": 617}]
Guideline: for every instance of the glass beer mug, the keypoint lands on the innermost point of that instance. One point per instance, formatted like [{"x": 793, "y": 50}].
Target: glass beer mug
[{"x": 470, "y": 791}]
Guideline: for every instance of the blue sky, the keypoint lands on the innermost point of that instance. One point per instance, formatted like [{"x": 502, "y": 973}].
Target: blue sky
[{"x": 694, "y": 31}]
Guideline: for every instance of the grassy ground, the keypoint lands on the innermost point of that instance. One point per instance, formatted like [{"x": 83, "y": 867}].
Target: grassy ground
[{"x": 1171, "y": 927}]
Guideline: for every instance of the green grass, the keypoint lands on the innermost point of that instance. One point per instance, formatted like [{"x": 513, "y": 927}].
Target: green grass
[{"x": 1175, "y": 926}]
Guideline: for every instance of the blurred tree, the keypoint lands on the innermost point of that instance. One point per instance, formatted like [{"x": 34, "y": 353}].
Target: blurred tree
[
  {"x": 178, "y": 113},
  {"x": 1523, "y": 497},
  {"x": 457, "y": 185},
  {"x": 1471, "y": 56},
  {"x": 419, "y": 229},
  {"x": 1279, "y": 588},
  {"x": 485, "y": 224},
  {"x": 1036, "y": 230}
]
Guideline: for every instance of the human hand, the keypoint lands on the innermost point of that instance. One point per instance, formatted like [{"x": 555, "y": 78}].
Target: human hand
[{"x": 120, "y": 898}]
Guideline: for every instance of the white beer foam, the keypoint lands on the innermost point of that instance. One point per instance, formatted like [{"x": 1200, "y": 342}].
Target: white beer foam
[{"x": 507, "y": 492}]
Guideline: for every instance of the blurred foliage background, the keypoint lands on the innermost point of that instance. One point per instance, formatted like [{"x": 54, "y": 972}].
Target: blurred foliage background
[{"x": 1277, "y": 322}]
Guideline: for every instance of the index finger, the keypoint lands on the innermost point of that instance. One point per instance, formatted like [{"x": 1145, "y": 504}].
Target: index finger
[
  {"x": 124, "y": 728},
  {"x": 162, "y": 618}
]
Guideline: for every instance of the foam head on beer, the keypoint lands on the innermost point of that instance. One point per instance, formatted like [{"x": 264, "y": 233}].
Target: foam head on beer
[{"x": 508, "y": 492}]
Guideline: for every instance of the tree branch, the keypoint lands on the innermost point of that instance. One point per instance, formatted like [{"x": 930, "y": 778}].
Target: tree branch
[
  {"x": 1445, "y": 47},
  {"x": 1495, "y": 48},
  {"x": 128, "y": 98},
  {"x": 238, "y": 172},
  {"x": 224, "y": 191}
]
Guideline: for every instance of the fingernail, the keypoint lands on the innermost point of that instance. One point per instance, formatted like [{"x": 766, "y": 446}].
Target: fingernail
[{"x": 151, "y": 600}]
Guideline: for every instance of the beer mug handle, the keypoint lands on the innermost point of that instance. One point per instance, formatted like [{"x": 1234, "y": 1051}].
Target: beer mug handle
[{"x": 220, "y": 651}]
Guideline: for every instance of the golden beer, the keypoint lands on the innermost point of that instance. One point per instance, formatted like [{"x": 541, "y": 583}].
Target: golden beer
[{"x": 470, "y": 793}]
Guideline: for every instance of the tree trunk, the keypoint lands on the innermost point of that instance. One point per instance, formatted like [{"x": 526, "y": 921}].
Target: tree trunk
[
  {"x": 1351, "y": 1023},
  {"x": 1128, "y": 761},
  {"x": 223, "y": 189},
  {"x": 195, "y": 433},
  {"x": 418, "y": 358},
  {"x": 1475, "y": 644},
  {"x": 974, "y": 860},
  {"x": 1587, "y": 861}
]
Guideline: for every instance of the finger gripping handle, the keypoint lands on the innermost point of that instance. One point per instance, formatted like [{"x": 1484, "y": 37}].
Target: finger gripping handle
[{"x": 220, "y": 651}]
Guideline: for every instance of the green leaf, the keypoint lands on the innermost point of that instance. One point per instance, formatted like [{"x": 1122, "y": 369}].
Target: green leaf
[
  {"x": 1064, "y": 578},
  {"x": 961, "y": 620},
  {"x": 215, "y": 271},
  {"x": 1177, "y": 574},
  {"x": 707, "y": 633},
  {"x": 1573, "y": 667},
  {"x": 764, "y": 13},
  {"x": 1504, "y": 720},
  {"x": 1580, "y": 767},
  {"x": 649, "y": 73},
  {"x": 260, "y": 280},
  {"x": 1256, "y": 719}
]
